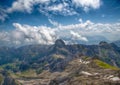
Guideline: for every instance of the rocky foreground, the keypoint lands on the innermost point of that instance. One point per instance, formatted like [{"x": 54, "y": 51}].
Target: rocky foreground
[{"x": 79, "y": 71}]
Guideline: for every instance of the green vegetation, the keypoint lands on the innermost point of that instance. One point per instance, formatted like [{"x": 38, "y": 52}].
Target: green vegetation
[
  {"x": 39, "y": 70},
  {"x": 103, "y": 51},
  {"x": 105, "y": 65},
  {"x": 1, "y": 79},
  {"x": 85, "y": 58},
  {"x": 9, "y": 66},
  {"x": 27, "y": 73},
  {"x": 55, "y": 56}
]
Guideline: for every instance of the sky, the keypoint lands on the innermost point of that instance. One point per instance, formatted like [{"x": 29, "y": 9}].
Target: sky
[{"x": 24, "y": 22}]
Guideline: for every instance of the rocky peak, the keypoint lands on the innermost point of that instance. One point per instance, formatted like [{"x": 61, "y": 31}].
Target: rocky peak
[
  {"x": 103, "y": 43},
  {"x": 59, "y": 43}
]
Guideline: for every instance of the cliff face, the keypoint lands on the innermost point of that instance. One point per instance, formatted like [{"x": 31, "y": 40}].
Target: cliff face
[
  {"x": 6, "y": 79},
  {"x": 9, "y": 81},
  {"x": 79, "y": 71}
]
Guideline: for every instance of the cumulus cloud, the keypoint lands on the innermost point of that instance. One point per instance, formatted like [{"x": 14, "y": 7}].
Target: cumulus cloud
[
  {"x": 45, "y": 6},
  {"x": 88, "y": 28},
  {"x": 58, "y": 7},
  {"x": 87, "y": 4},
  {"x": 76, "y": 36},
  {"x": 84, "y": 32},
  {"x": 80, "y": 26},
  {"x": 25, "y": 35},
  {"x": 25, "y": 5},
  {"x": 62, "y": 8},
  {"x": 33, "y": 34},
  {"x": 49, "y": 7}
]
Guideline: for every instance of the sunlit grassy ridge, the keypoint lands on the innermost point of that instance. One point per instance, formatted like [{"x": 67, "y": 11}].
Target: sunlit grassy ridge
[{"x": 105, "y": 65}]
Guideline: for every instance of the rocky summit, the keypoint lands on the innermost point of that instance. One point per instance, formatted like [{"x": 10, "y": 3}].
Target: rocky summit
[{"x": 60, "y": 64}]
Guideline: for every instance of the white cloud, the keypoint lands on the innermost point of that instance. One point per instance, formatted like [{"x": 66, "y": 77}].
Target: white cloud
[
  {"x": 28, "y": 6},
  {"x": 88, "y": 28},
  {"x": 58, "y": 7},
  {"x": 54, "y": 23},
  {"x": 62, "y": 8},
  {"x": 84, "y": 32},
  {"x": 76, "y": 36},
  {"x": 52, "y": 6},
  {"x": 81, "y": 26},
  {"x": 25, "y": 5},
  {"x": 87, "y": 4},
  {"x": 25, "y": 35},
  {"x": 33, "y": 34}
]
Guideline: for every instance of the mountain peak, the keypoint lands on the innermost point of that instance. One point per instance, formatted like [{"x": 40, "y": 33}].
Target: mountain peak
[
  {"x": 103, "y": 43},
  {"x": 59, "y": 43}
]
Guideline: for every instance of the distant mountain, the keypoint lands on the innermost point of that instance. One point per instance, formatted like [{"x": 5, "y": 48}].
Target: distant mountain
[
  {"x": 117, "y": 43},
  {"x": 92, "y": 40},
  {"x": 27, "y": 62}
]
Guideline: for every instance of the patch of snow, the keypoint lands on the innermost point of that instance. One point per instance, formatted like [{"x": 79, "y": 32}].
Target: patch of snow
[
  {"x": 111, "y": 76},
  {"x": 84, "y": 62},
  {"x": 95, "y": 73},
  {"x": 108, "y": 76},
  {"x": 115, "y": 79},
  {"x": 86, "y": 73},
  {"x": 80, "y": 61}
]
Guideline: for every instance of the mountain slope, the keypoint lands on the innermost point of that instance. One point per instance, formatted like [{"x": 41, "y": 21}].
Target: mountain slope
[
  {"x": 56, "y": 56},
  {"x": 87, "y": 72},
  {"x": 117, "y": 43},
  {"x": 61, "y": 64},
  {"x": 79, "y": 71}
]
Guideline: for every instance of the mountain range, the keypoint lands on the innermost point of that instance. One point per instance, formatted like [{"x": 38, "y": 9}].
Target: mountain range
[{"x": 60, "y": 64}]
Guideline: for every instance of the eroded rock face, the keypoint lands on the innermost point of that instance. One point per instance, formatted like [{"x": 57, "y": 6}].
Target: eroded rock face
[
  {"x": 9, "y": 81},
  {"x": 80, "y": 73},
  {"x": 77, "y": 72},
  {"x": 59, "y": 43}
]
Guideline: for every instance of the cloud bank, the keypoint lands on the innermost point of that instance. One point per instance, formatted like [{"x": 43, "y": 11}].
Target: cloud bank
[{"x": 82, "y": 32}]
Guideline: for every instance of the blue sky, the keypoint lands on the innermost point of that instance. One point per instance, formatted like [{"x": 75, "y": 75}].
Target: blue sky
[{"x": 75, "y": 21}]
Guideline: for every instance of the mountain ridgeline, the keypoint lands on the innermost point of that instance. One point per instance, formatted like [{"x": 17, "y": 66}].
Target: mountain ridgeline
[
  {"x": 56, "y": 58},
  {"x": 107, "y": 52}
]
